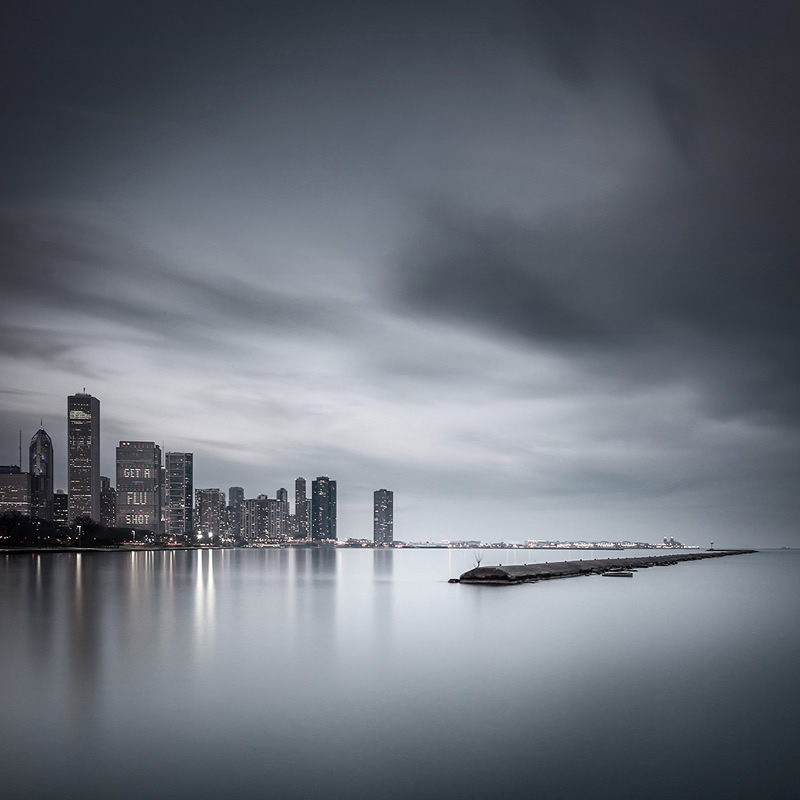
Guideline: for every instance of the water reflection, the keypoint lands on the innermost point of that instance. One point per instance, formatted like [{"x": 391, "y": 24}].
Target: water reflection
[
  {"x": 204, "y": 598},
  {"x": 382, "y": 601},
  {"x": 273, "y": 673},
  {"x": 322, "y": 573},
  {"x": 382, "y": 564},
  {"x": 83, "y": 641}
]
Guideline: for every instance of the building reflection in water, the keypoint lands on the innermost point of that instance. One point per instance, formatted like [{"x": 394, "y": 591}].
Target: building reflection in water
[
  {"x": 204, "y": 598},
  {"x": 320, "y": 586},
  {"x": 382, "y": 593},
  {"x": 83, "y": 639},
  {"x": 382, "y": 563}
]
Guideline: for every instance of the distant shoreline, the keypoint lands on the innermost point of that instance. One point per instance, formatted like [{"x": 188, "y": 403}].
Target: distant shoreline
[{"x": 28, "y": 549}]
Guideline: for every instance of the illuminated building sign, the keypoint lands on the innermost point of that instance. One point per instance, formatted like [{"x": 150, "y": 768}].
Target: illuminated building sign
[{"x": 139, "y": 485}]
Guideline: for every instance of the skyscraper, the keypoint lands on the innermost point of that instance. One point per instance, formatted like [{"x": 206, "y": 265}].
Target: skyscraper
[
  {"x": 41, "y": 470},
  {"x": 108, "y": 503},
  {"x": 278, "y": 526},
  {"x": 254, "y": 519},
  {"x": 383, "y": 517},
  {"x": 83, "y": 456},
  {"x": 179, "y": 493},
  {"x": 60, "y": 507},
  {"x": 301, "y": 509},
  {"x": 235, "y": 503},
  {"x": 139, "y": 485},
  {"x": 323, "y": 509},
  {"x": 235, "y": 496},
  {"x": 209, "y": 505}
]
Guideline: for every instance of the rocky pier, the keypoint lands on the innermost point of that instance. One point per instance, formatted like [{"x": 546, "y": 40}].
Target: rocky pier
[{"x": 530, "y": 573}]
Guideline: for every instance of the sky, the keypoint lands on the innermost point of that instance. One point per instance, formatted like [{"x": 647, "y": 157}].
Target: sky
[{"x": 530, "y": 265}]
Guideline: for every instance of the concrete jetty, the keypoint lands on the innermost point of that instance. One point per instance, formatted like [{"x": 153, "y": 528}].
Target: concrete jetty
[{"x": 530, "y": 573}]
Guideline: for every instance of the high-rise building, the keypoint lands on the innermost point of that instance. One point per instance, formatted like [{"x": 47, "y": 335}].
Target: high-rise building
[
  {"x": 209, "y": 508},
  {"x": 138, "y": 485},
  {"x": 83, "y": 456},
  {"x": 323, "y": 509},
  {"x": 265, "y": 520},
  {"x": 383, "y": 517},
  {"x": 108, "y": 503},
  {"x": 253, "y": 520},
  {"x": 60, "y": 507},
  {"x": 235, "y": 503},
  {"x": 162, "y": 487},
  {"x": 15, "y": 490},
  {"x": 278, "y": 518},
  {"x": 235, "y": 496},
  {"x": 41, "y": 471},
  {"x": 179, "y": 493},
  {"x": 302, "y": 509}
]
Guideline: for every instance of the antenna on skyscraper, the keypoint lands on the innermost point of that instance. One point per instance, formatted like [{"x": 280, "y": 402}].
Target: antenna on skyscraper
[{"x": 20, "y": 451}]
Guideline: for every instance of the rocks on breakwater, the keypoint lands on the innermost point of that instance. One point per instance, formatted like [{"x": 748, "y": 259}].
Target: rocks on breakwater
[{"x": 530, "y": 573}]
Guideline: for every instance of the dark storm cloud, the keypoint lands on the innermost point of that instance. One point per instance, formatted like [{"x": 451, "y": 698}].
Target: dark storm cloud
[
  {"x": 690, "y": 56},
  {"x": 198, "y": 199},
  {"x": 690, "y": 274}
]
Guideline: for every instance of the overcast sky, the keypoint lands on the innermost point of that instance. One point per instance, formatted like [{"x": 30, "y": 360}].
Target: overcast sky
[{"x": 531, "y": 265}]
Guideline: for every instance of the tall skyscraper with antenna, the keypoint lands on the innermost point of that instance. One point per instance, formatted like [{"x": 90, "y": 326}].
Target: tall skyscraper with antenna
[
  {"x": 40, "y": 456},
  {"x": 83, "y": 456}
]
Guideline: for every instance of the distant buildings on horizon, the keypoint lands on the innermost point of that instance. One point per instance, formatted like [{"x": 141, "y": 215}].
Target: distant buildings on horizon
[{"x": 160, "y": 499}]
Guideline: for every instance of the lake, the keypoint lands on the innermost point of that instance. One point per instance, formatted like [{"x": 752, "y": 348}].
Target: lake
[{"x": 358, "y": 673}]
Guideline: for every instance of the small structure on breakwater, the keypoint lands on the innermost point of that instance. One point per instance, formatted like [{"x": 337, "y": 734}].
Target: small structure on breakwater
[{"x": 530, "y": 573}]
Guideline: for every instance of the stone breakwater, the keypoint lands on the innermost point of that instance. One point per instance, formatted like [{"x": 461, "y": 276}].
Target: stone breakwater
[{"x": 530, "y": 573}]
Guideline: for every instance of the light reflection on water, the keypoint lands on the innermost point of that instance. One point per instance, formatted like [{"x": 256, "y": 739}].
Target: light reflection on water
[{"x": 324, "y": 673}]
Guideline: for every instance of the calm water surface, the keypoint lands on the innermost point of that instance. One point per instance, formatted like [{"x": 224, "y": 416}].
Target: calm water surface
[{"x": 360, "y": 673}]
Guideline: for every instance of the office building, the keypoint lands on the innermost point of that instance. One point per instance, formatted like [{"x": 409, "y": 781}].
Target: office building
[
  {"x": 209, "y": 511},
  {"x": 179, "y": 493},
  {"x": 253, "y": 520},
  {"x": 15, "y": 490},
  {"x": 41, "y": 471},
  {"x": 138, "y": 486},
  {"x": 278, "y": 518},
  {"x": 108, "y": 503},
  {"x": 235, "y": 502},
  {"x": 235, "y": 496},
  {"x": 383, "y": 517},
  {"x": 323, "y": 509},
  {"x": 83, "y": 456},
  {"x": 162, "y": 486},
  {"x": 60, "y": 507},
  {"x": 302, "y": 510}
]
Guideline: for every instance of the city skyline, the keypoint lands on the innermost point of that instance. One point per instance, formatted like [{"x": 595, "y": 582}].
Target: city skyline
[
  {"x": 154, "y": 492},
  {"x": 530, "y": 264}
]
